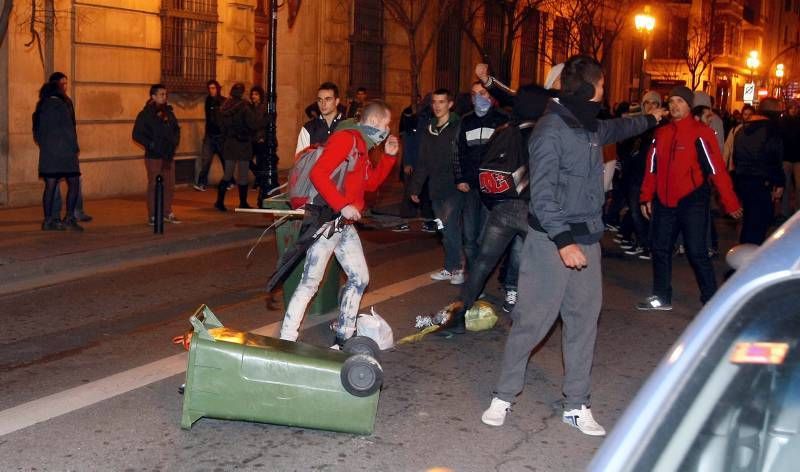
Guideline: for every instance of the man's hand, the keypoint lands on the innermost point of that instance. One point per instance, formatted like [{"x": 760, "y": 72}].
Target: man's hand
[
  {"x": 777, "y": 193},
  {"x": 392, "y": 145},
  {"x": 415, "y": 198},
  {"x": 647, "y": 209},
  {"x": 463, "y": 186},
  {"x": 482, "y": 71},
  {"x": 573, "y": 257},
  {"x": 658, "y": 114},
  {"x": 408, "y": 170},
  {"x": 736, "y": 215},
  {"x": 351, "y": 213}
]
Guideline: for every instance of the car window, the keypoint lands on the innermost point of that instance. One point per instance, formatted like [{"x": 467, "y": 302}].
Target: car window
[{"x": 740, "y": 410}]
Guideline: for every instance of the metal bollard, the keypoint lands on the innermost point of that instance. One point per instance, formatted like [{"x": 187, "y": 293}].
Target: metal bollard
[{"x": 158, "y": 227}]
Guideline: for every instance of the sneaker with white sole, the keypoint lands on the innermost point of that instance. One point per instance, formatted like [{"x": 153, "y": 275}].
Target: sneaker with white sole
[
  {"x": 634, "y": 251},
  {"x": 653, "y": 303},
  {"x": 495, "y": 415},
  {"x": 458, "y": 277},
  {"x": 583, "y": 420},
  {"x": 443, "y": 274},
  {"x": 510, "y": 302}
]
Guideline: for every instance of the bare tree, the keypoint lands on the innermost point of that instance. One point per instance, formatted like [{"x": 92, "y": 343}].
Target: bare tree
[
  {"x": 586, "y": 26},
  {"x": 514, "y": 13},
  {"x": 411, "y": 16},
  {"x": 5, "y": 14},
  {"x": 700, "y": 52}
]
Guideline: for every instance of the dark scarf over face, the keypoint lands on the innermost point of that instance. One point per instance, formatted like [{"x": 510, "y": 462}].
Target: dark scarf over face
[{"x": 583, "y": 108}]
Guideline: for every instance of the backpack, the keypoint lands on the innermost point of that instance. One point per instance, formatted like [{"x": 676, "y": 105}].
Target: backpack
[
  {"x": 301, "y": 190},
  {"x": 503, "y": 171}
]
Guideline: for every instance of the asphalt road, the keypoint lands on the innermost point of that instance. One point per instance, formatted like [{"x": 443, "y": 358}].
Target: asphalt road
[{"x": 76, "y": 350}]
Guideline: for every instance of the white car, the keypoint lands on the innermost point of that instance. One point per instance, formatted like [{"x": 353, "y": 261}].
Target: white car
[{"x": 726, "y": 397}]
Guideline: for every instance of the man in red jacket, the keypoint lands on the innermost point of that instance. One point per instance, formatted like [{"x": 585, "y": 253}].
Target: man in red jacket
[
  {"x": 348, "y": 201},
  {"x": 676, "y": 195}
]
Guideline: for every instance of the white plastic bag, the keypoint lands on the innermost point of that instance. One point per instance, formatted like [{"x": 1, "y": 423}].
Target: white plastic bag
[{"x": 374, "y": 326}]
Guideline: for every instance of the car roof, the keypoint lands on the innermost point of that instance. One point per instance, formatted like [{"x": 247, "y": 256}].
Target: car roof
[{"x": 776, "y": 260}]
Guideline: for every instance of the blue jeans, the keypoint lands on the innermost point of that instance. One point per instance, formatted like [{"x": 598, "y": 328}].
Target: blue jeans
[
  {"x": 690, "y": 218},
  {"x": 507, "y": 221},
  {"x": 350, "y": 254},
  {"x": 475, "y": 215},
  {"x": 451, "y": 212}
]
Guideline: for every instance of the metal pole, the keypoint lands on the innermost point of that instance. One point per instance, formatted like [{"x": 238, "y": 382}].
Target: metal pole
[
  {"x": 641, "y": 74},
  {"x": 158, "y": 207},
  {"x": 272, "y": 129}
]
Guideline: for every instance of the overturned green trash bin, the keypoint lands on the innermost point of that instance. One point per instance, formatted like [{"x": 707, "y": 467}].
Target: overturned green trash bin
[
  {"x": 327, "y": 296},
  {"x": 237, "y": 375}
]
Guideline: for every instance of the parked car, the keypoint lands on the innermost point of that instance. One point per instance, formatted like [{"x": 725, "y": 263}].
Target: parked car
[{"x": 726, "y": 397}]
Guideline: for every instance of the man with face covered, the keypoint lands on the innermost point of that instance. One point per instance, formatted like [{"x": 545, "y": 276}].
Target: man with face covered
[
  {"x": 560, "y": 271},
  {"x": 362, "y": 176}
]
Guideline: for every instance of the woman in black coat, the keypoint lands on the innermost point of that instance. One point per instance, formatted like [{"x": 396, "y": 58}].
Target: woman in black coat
[
  {"x": 55, "y": 134},
  {"x": 239, "y": 125}
]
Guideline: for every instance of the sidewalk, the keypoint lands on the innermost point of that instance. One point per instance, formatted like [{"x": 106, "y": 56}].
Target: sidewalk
[{"x": 119, "y": 236}]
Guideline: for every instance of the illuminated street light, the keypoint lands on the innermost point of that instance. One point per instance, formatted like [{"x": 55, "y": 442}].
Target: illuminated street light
[
  {"x": 645, "y": 23},
  {"x": 753, "y": 63},
  {"x": 779, "y": 71}
]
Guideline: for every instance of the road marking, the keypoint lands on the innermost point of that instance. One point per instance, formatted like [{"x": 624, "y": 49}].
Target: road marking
[{"x": 67, "y": 401}]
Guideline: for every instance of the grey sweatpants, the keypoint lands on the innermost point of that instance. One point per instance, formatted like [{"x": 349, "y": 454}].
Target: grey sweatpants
[{"x": 547, "y": 287}]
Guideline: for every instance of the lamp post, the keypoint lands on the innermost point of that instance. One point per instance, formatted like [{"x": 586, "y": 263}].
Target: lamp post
[
  {"x": 779, "y": 75},
  {"x": 271, "y": 98},
  {"x": 645, "y": 23},
  {"x": 752, "y": 63}
]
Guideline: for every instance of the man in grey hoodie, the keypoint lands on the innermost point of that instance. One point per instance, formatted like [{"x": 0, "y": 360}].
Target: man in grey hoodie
[{"x": 560, "y": 271}]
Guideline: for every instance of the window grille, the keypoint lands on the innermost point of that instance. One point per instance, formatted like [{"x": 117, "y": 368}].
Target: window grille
[
  {"x": 188, "y": 44},
  {"x": 366, "y": 47},
  {"x": 493, "y": 37},
  {"x": 529, "y": 48},
  {"x": 560, "y": 40},
  {"x": 448, "y": 57}
]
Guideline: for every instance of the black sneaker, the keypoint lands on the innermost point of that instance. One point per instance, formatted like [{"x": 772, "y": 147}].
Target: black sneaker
[
  {"x": 401, "y": 228},
  {"x": 653, "y": 303},
  {"x": 429, "y": 227},
  {"x": 510, "y": 301},
  {"x": 52, "y": 224},
  {"x": 72, "y": 225},
  {"x": 645, "y": 255},
  {"x": 634, "y": 251}
]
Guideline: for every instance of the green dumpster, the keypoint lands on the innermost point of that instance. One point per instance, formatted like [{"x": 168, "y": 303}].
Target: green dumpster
[
  {"x": 327, "y": 297},
  {"x": 237, "y": 375}
]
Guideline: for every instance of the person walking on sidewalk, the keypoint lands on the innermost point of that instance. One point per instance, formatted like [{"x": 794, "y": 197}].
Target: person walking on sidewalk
[
  {"x": 437, "y": 145},
  {"x": 61, "y": 79},
  {"x": 260, "y": 116},
  {"x": 560, "y": 271},
  {"x": 54, "y": 132},
  {"x": 157, "y": 130},
  {"x": 239, "y": 124},
  {"x": 213, "y": 138},
  {"x": 364, "y": 176},
  {"x": 758, "y": 164},
  {"x": 676, "y": 193}
]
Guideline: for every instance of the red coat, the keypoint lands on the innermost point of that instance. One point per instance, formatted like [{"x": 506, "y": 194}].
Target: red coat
[
  {"x": 363, "y": 178},
  {"x": 677, "y": 172}
]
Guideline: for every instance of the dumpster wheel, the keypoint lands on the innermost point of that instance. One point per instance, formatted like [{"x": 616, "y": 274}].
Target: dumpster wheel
[
  {"x": 361, "y": 375},
  {"x": 362, "y": 345}
]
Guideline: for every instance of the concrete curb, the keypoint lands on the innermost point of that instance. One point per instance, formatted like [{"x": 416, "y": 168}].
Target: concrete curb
[{"x": 38, "y": 273}]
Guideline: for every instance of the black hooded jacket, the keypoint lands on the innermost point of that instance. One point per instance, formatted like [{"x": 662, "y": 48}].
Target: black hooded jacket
[
  {"x": 758, "y": 151},
  {"x": 54, "y": 132},
  {"x": 157, "y": 129}
]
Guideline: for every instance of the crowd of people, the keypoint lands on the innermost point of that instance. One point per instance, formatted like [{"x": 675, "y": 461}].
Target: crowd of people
[{"x": 527, "y": 179}]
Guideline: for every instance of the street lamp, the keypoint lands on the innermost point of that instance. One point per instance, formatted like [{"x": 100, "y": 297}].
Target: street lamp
[
  {"x": 779, "y": 75},
  {"x": 645, "y": 23},
  {"x": 753, "y": 63}
]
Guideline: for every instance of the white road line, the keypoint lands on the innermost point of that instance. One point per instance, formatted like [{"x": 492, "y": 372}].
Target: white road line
[{"x": 61, "y": 403}]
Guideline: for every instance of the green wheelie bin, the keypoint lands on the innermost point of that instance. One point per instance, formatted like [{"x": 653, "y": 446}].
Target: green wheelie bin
[
  {"x": 238, "y": 375},
  {"x": 286, "y": 233}
]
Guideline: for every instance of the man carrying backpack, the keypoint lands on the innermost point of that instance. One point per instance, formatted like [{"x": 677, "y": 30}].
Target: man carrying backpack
[{"x": 362, "y": 175}]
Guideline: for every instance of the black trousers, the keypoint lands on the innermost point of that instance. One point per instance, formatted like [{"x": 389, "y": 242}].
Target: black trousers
[
  {"x": 690, "y": 218},
  {"x": 755, "y": 193}
]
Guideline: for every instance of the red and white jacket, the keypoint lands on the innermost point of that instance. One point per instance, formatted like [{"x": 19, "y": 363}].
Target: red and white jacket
[
  {"x": 363, "y": 178},
  {"x": 674, "y": 164}
]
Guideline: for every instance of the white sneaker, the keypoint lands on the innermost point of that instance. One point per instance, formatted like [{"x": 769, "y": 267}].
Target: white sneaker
[
  {"x": 442, "y": 275},
  {"x": 495, "y": 415},
  {"x": 584, "y": 421},
  {"x": 458, "y": 277}
]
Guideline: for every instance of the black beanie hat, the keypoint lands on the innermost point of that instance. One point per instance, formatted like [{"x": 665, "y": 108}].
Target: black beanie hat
[
  {"x": 237, "y": 90},
  {"x": 683, "y": 92}
]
